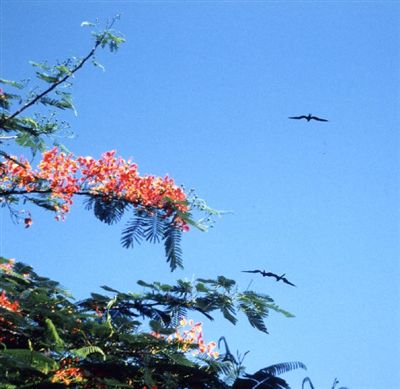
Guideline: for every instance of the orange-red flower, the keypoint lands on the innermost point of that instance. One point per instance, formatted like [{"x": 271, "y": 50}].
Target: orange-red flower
[
  {"x": 110, "y": 176},
  {"x": 68, "y": 376},
  {"x": 193, "y": 336},
  {"x": 7, "y": 304}
]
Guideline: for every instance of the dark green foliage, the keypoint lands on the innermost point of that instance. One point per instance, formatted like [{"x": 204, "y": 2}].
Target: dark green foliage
[
  {"x": 14, "y": 84},
  {"x": 278, "y": 369},
  {"x": 266, "y": 378},
  {"x": 173, "y": 251},
  {"x": 133, "y": 231},
  {"x": 49, "y": 328},
  {"x": 65, "y": 102},
  {"x": 45, "y": 202},
  {"x": 54, "y": 94},
  {"x": 107, "y": 210},
  {"x": 153, "y": 225}
]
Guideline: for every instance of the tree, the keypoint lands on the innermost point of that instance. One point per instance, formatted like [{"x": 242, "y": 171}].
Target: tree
[{"x": 115, "y": 339}]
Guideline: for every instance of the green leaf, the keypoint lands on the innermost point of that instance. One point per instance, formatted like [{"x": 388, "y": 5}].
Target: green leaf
[
  {"x": 66, "y": 101},
  {"x": 145, "y": 284},
  {"x": 133, "y": 231},
  {"x": 108, "y": 289},
  {"x": 173, "y": 251},
  {"x": 181, "y": 359},
  {"x": 15, "y": 84},
  {"x": 153, "y": 227},
  {"x": 25, "y": 140},
  {"x": 62, "y": 70},
  {"x": 53, "y": 331},
  {"x": 42, "y": 66},
  {"x": 156, "y": 326},
  {"x": 28, "y": 358},
  {"x": 108, "y": 211},
  {"x": 47, "y": 78},
  {"x": 30, "y": 122},
  {"x": 47, "y": 203},
  {"x": 200, "y": 287},
  {"x": 279, "y": 368},
  {"x": 83, "y": 352},
  {"x": 276, "y": 308}
]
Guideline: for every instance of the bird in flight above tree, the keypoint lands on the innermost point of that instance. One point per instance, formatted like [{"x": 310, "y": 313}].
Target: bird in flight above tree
[
  {"x": 308, "y": 118},
  {"x": 269, "y": 274}
]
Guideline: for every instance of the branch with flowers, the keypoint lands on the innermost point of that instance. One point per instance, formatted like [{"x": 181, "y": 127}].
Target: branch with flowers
[{"x": 112, "y": 185}]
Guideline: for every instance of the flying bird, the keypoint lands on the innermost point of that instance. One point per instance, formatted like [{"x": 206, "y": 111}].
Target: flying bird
[
  {"x": 269, "y": 274},
  {"x": 308, "y": 118}
]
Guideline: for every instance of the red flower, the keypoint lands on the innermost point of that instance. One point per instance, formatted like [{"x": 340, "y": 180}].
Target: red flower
[
  {"x": 7, "y": 304},
  {"x": 28, "y": 222},
  {"x": 110, "y": 176}
]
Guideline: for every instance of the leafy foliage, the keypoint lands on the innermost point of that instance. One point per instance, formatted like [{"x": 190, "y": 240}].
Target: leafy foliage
[
  {"x": 133, "y": 231},
  {"x": 101, "y": 333},
  {"x": 173, "y": 251},
  {"x": 30, "y": 133},
  {"x": 107, "y": 210},
  {"x": 267, "y": 378}
]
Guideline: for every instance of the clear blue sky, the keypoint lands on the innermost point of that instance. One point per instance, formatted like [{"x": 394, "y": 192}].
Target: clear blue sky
[{"x": 202, "y": 91}]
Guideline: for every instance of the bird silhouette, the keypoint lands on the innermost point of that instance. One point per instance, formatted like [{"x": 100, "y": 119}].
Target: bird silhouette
[
  {"x": 270, "y": 274},
  {"x": 308, "y": 118}
]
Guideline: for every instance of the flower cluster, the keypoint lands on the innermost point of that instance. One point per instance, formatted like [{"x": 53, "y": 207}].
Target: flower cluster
[
  {"x": 5, "y": 324},
  {"x": 68, "y": 375},
  {"x": 63, "y": 176},
  {"x": 8, "y": 266},
  {"x": 7, "y": 304},
  {"x": 17, "y": 173},
  {"x": 192, "y": 336}
]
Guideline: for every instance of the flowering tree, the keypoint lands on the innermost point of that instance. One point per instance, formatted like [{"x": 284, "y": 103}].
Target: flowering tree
[{"x": 115, "y": 339}]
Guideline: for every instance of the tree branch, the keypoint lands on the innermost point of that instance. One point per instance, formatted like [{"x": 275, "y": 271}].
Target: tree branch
[
  {"x": 53, "y": 86},
  {"x": 7, "y": 156}
]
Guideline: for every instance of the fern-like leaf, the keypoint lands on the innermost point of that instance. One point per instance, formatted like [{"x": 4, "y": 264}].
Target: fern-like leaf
[
  {"x": 108, "y": 211},
  {"x": 278, "y": 369},
  {"x": 255, "y": 319},
  {"x": 133, "y": 232},
  {"x": 59, "y": 343},
  {"x": 83, "y": 352},
  {"x": 28, "y": 359},
  {"x": 153, "y": 228},
  {"x": 276, "y": 308},
  {"x": 173, "y": 251},
  {"x": 46, "y": 203}
]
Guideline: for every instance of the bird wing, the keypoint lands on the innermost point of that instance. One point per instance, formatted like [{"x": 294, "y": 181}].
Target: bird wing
[
  {"x": 319, "y": 119},
  {"x": 269, "y": 274},
  {"x": 286, "y": 281},
  {"x": 251, "y": 271},
  {"x": 298, "y": 117}
]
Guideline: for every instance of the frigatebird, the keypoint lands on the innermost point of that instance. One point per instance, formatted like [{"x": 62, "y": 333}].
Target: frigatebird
[
  {"x": 308, "y": 118},
  {"x": 269, "y": 274}
]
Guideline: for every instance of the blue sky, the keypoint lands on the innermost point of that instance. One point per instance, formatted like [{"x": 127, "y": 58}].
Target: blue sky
[{"x": 202, "y": 91}]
